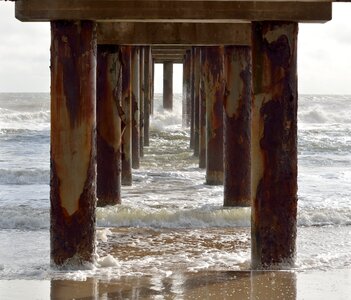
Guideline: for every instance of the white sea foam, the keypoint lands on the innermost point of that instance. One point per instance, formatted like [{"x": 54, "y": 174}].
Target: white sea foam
[
  {"x": 24, "y": 176},
  {"x": 108, "y": 261},
  {"x": 103, "y": 234},
  {"x": 124, "y": 216},
  {"x": 23, "y": 218}
]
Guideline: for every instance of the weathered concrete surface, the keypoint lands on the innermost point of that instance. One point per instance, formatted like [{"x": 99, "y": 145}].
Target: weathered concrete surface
[
  {"x": 168, "y": 85},
  {"x": 237, "y": 126},
  {"x": 147, "y": 93},
  {"x": 173, "y": 34},
  {"x": 202, "y": 116},
  {"x": 141, "y": 100},
  {"x": 72, "y": 161},
  {"x": 127, "y": 120},
  {"x": 186, "y": 107},
  {"x": 168, "y": 57},
  {"x": 191, "y": 95},
  {"x": 176, "y": 10},
  {"x": 196, "y": 99},
  {"x": 152, "y": 88},
  {"x": 135, "y": 108},
  {"x": 108, "y": 124},
  {"x": 213, "y": 69},
  {"x": 274, "y": 143}
]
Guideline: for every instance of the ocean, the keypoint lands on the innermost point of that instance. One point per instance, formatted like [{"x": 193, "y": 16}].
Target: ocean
[{"x": 170, "y": 220}]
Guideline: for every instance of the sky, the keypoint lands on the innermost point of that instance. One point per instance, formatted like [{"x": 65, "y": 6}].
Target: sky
[{"x": 324, "y": 55}]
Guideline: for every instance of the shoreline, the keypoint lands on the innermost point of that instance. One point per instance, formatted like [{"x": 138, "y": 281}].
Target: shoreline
[{"x": 314, "y": 284}]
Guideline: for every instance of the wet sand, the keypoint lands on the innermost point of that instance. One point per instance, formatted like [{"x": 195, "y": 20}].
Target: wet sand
[{"x": 332, "y": 284}]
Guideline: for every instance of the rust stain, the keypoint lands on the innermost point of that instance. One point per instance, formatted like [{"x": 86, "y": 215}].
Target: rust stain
[
  {"x": 168, "y": 85},
  {"x": 275, "y": 199},
  {"x": 141, "y": 100},
  {"x": 109, "y": 87},
  {"x": 202, "y": 121},
  {"x": 73, "y": 65},
  {"x": 186, "y": 90},
  {"x": 72, "y": 236},
  {"x": 191, "y": 99},
  {"x": 147, "y": 93},
  {"x": 213, "y": 70},
  {"x": 126, "y": 104},
  {"x": 135, "y": 109},
  {"x": 237, "y": 127}
]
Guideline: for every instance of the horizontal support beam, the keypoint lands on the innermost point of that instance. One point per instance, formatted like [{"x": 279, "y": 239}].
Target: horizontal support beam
[
  {"x": 161, "y": 61},
  {"x": 168, "y": 57},
  {"x": 168, "y": 51},
  {"x": 171, "y": 47},
  {"x": 202, "y": 34},
  {"x": 176, "y": 10}
]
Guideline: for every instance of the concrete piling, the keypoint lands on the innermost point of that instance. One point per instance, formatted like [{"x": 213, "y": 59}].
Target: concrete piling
[
  {"x": 141, "y": 100},
  {"x": 202, "y": 116},
  {"x": 237, "y": 126},
  {"x": 186, "y": 108},
  {"x": 191, "y": 98},
  {"x": 274, "y": 143},
  {"x": 213, "y": 69},
  {"x": 168, "y": 85},
  {"x": 135, "y": 108},
  {"x": 108, "y": 124},
  {"x": 147, "y": 93},
  {"x": 127, "y": 120},
  {"x": 73, "y": 148},
  {"x": 196, "y": 92}
]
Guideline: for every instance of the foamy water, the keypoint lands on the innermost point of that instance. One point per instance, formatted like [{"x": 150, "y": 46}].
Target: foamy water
[{"x": 170, "y": 220}]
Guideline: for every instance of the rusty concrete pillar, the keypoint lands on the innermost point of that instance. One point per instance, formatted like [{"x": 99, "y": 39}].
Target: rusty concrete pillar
[
  {"x": 168, "y": 85},
  {"x": 141, "y": 100},
  {"x": 73, "y": 147},
  {"x": 152, "y": 88},
  {"x": 237, "y": 126},
  {"x": 274, "y": 143},
  {"x": 213, "y": 68},
  {"x": 191, "y": 98},
  {"x": 135, "y": 108},
  {"x": 186, "y": 109},
  {"x": 147, "y": 93},
  {"x": 202, "y": 116},
  {"x": 127, "y": 120},
  {"x": 196, "y": 92},
  {"x": 108, "y": 125}
]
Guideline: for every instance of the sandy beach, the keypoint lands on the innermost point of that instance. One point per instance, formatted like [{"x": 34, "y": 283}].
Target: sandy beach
[{"x": 332, "y": 284}]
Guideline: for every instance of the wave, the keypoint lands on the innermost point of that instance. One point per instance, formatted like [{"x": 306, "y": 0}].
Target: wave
[
  {"x": 309, "y": 217},
  {"x": 324, "y": 109},
  {"x": 24, "y": 217},
  {"x": 125, "y": 216},
  {"x": 36, "y": 120},
  {"x": 24, "y": 177}
]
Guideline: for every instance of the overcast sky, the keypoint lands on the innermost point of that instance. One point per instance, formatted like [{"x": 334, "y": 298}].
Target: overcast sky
[{"x": 324, "y": 56}]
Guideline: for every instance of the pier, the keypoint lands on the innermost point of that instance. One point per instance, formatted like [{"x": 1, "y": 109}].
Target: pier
[{"x": 240, "y": 102}]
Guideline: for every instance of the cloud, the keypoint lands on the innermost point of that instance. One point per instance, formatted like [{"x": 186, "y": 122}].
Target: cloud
[
  {"x": 324, "y": 61},
  {"x": 24, "y": 53}
]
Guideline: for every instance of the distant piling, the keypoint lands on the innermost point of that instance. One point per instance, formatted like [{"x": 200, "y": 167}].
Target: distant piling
[
  {"x": 168, "y": 85},
  {"x": 147, "y": 93},
  {"x": 135, "y": 108},
  {"x": 127, "y": 110},
  {"x": 202, "y": 116}
]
